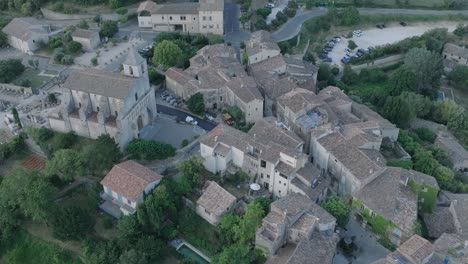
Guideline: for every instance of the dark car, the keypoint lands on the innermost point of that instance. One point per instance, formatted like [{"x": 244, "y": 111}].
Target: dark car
[
  {"x": 403, "y": 23},
  {"x": 345, "y": 60},
  {"x": 327, "y": 59},
  {"x": 379, "y": 26},
  {"x": 323, "y": 56}
]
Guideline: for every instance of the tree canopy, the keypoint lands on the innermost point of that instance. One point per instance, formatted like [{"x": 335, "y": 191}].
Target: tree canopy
[
  {"x": 167, "y": 53},
  {"x": 338, "y": 208},
  {"x": 10, "y": 69},
  {"x": 109, "y": 28},
  {"x": 427, "y": 68},
  {"x": 196, "y": 104}
]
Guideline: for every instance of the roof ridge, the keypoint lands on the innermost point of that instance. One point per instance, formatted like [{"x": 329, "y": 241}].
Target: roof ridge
[{"x": 131, "y": 173}]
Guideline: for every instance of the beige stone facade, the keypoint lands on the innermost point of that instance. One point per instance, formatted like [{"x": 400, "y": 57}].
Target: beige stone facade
[
  {"x": 206, "y": 16},
  {"x": 216, "y": 73},
  {"x": 97, "y": 102}
]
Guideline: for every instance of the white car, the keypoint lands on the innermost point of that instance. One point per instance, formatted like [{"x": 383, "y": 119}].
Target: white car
[
  {"x": 270, "y": 5},
  {"x": 190, "y": 119}
]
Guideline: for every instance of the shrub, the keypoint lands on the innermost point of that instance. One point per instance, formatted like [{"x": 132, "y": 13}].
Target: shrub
[
  {"x": 67, "y": 60},
  {"x": 74, "y": 46},
  {"x": 196, "y": 104},
  {"x": 184, "y": 143},
  {"x": 154, "y": 77},
  {"x": 352, "y": 45},
  {"x": 426, "y": 134},
  {"x": 58, "y": 6},
  {"x": 94, "y": 61},
  {"x": 121, "y": 11},
  {"x": 149, "y": 149},
  {"x": 290, "y": 12},
  {"x": 264, "y": 12},
  {"x": 335, "y": 71}
]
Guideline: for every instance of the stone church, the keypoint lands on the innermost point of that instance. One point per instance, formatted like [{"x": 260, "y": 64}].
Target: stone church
[{"x": 97, "y": 102}]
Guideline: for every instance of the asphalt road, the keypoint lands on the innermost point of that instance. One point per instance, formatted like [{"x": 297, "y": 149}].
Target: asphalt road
[
  {"x": 293, "y": 26},
  {"x": 205, "y": 124}
]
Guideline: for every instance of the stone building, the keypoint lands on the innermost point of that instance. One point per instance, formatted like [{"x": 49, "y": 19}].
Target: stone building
[
  {"x": 97, "y": 102},
  {"x": 205, "y": 16},
  {"x": 292, "y": 219},
  {"x": 216, "y": 73},
  {"x": 454, "y": 55},
  {"x": 89, "y": 39},
  {"x": 214, "y": 202},
  {"x": 27, "y": 34}
]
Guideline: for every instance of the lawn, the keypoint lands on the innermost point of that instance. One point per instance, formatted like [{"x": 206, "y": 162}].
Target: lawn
[
  {"x": 26, "y": 249},
  {"x": 199, "y": 232},
  {"x": 32, "y": 75}
]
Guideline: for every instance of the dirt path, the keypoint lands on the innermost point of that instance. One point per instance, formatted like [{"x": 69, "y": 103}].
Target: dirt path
[{"x": 43, "y": 232}]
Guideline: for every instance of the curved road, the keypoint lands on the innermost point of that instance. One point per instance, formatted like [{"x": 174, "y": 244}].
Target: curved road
[
  {"x": 293, "y": 26},
  {"x": 205, "y": 124}
]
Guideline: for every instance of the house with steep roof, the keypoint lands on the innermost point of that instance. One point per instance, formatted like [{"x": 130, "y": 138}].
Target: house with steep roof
[
  {"x": 97, "y": 102},
  {"x": 260, "y": 47},
  {"x": 457, "y": 153},
  {"x": 27, "y": 34},
  {"x": 292, "y": 219},
  {"x": 125, "y": 185},
  {"x": 269, "y": 152},
  {"x": 452, "y": 247},
  {"x": 454, "y": 55},
  {"x": 214, "y": 202},
  {"x": 415, "y": 250},
  {"x": 89, "y": 39},
  {"x": 216, "y": 73},
  {"x": 205, "y": 16}
]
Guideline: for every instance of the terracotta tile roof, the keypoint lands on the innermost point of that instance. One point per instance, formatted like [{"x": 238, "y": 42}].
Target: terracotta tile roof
[
  {"x": 146, "y": 5},
  {"x": 215, "y": 199},
  {"x": 416, "y": 248},
  {"x": 130, "y": 179},
  {"x": 34, "y": 162}
]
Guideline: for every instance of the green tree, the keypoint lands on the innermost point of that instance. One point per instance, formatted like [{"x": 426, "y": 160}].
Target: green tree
[
  {"x": 191, "y": 169},
  {"x": 435, "y": 39},
  {"x": 338, "y": 208},
  {"x": 424, "y": 162},
  {"x": 15, "y": 114},
  {"x": 94, "y": 61},
  {"x": 66, "y": 164},
  {"x": 149, "y": 149},
  {"x": 245, "y": 17},
  {"x": 82, "y": 24},
  {"x": 166, "y": 53},
  {"x": 101, "y": 155},
  {"x": 427, "y": 69},
  {"x": 252, "y": 219},
  {"x": 444, "y": 176},
  {"x": 226, "y": 227},
  {"x": 397, "y": 111},
  {"x": 447, "y": 110},
  {"x": 3, "y": 39},
  {"x": 420, "y": 105},
  {"x": 128, "y": 230},
  {"x": 263, "y": 12},
  {"x": 108, "y": 28},
  {"x": 196, "y": 104},
  {"x": 74, "y": 46},
  {"x": 132, "y": 256},
  {"x": 349, "y": 76},
  {"x": 237, "y": 253},
  {"x": 459, "y": 77},
  {"x": 352, "y": 45},
  {"x": 401, "y": 80},
  {"x": 72, "y": 222},
  {"x": 10, "y": 69},
  {"x": 350, "y": 16}
]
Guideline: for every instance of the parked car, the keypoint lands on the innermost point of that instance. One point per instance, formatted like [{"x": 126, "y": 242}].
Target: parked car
[
  {"x": 270, "y": 5},
  {"x": 323, "y": 56},
  {"x": 345, "y": 60},
  {"x": 209, "y": 117},
  {"x": 191, "y": 120},
  {"x": 361, "y": 50},
  {"x": 379, "y": 26},
  {"x": 164, "y": 95},
  {"x": 169, "y": 98},
  {"x": 327, "y": 59},
  {"x": 403, "y": 23},
  {"x": 172, "y": 101}
]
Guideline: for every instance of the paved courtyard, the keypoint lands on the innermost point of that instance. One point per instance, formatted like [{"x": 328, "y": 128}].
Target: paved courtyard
[
  {"x": 367, "y": 249},
  {"x": 166, "y": 129}
]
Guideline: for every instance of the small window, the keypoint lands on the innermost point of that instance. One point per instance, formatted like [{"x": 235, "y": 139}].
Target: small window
[
  {"x": 261, "y": 175},
  {"x": 162, "y": 17},
  {"x": 210, "y": 18},
  {"x": 97, "y": 109},
  {"x": 136, "y": 97},
  {"x": 220, "y": 98},
  {"x": 204, "y": 18},
  {"x": 193, "y": 18},
  {"x": 284, "y": 184},
  {"x": 204, "y": 26},
  {"x": 279, "y": 182},
  {"x": 34, "y": 41},
  {"x": 262, "y": 163},
  {"x": 211, "y": 26},
  {"x": 79, "y": 105},
  {"x": 116, "y": 114},
  {"x": 131, "y": 70},
  {"x": 268, "y": 176},
  {"x": 129, "y": 202},
  {"x": 142, "y": 68}
]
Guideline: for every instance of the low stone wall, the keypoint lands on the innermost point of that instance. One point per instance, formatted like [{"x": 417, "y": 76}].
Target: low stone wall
[
  {"x": 16, "y": 88},
  {"x": 51, "y": 15},
  {"x": 379, "y": 63}
]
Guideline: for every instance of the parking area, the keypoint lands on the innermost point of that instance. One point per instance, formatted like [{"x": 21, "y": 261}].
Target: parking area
[
  {"x": 374, "y": 37},
  {"x": 166, "y": 129}
]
